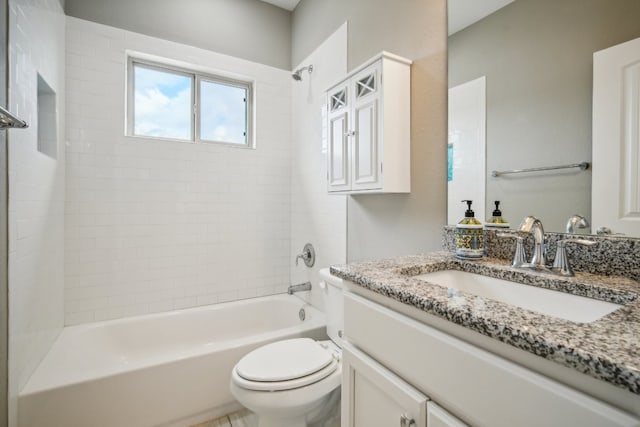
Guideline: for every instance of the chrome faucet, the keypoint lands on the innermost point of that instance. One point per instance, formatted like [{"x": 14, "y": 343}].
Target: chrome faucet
[
  {"x": 533, "y": 225},
  {"x": 306, "y": 286},
  {"x": 576, "y": 221}
]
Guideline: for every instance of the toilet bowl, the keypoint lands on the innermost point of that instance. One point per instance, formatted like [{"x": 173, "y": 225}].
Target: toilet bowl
[{"x": 292, "y": 383}]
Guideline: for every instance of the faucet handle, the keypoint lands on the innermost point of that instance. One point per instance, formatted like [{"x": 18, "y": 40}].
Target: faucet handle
[
  {"x": 308, "y": 255},
  {"x": 519, "y": 256},
  {"x": 561, "y": 262}
]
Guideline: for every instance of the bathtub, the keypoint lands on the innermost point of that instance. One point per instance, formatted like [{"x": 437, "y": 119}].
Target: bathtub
[{"x": 167, "y": 369}]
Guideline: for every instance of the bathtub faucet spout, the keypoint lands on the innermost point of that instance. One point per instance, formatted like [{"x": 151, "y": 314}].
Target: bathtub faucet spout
[{"x": 306, "y": 286}]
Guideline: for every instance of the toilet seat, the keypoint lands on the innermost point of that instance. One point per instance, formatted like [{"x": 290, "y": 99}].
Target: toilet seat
[{"x": 286, "y": 365}]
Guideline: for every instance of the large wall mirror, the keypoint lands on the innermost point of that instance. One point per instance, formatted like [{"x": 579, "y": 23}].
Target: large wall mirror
[{"x": 521, "y": 79}]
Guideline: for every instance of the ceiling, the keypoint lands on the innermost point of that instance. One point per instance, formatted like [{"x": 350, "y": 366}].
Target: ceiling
[
  {"x": 285, "y": 4},
  {"x": 463, "y": 13}
]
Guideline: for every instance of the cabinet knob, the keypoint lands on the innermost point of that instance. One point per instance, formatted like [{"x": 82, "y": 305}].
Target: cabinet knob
[
  {"x": 405, "y": 421},
  {"x": 350, "y": 133}
]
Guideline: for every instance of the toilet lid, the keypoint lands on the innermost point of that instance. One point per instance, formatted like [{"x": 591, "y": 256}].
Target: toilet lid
[{"x": 284, "y": 360}]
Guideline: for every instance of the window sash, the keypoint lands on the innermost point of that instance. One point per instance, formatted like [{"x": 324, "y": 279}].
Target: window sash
[{"x": 247, "y": 107}]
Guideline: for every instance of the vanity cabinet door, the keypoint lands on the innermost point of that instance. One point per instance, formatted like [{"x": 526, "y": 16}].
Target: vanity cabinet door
[
  {"x": 372, "y": 396},
  {"x": 438, "y": 417}
]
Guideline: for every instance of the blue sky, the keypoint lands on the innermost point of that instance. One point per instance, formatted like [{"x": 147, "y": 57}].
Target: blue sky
[
  {"x": 163, "y": 107},
  {"x": 222, "y": 109},
  {"x": 162, "y": 104}
]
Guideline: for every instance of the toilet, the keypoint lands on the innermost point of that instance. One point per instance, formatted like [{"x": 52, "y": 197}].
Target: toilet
[{"x": 295, "y": 382}]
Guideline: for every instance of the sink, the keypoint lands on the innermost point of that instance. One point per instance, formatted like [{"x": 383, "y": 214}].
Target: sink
[{"x": 545, "y": 301}]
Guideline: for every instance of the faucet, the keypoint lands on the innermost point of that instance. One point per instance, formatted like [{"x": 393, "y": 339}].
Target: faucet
[
  {"x": 306, "y": 286},
  {"x": 533, "y": 225},
  {"x": 576, "y": 221}
]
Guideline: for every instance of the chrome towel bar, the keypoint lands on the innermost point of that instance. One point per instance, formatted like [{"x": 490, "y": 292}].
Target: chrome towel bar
[
  {"x": 583, "y": 166},
  {"x": 8, "y": 120}
]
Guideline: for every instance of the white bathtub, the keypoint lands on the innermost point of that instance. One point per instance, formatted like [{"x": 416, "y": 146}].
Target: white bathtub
[{"x": 169, "y": 369}]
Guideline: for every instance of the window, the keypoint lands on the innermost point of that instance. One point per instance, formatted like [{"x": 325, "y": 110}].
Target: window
[{"x": 173, "y": 103}]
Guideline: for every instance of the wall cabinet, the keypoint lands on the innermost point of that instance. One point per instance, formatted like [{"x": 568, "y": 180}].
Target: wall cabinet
[
  {"x": 474, "y": 385},
  {"x": 368, "y": 128}
]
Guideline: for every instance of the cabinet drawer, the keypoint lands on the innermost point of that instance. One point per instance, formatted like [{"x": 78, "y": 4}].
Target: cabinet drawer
[
  {"x": 479, "y": 387},
  {"x": 372, "y": 396}
]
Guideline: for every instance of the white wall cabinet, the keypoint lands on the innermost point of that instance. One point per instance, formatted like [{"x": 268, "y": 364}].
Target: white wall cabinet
[
  {"x": 474, "y": 385},
  {"x": 368, "y": 128}
]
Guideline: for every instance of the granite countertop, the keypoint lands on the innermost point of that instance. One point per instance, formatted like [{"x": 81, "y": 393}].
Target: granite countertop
[{"x": 607, "y": 349}]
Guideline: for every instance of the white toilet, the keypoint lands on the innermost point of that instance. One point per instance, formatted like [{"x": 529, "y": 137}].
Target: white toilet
[{"x": 292, "y": 383}]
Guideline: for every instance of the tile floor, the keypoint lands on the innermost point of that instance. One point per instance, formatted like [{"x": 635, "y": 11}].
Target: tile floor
[
  {"x": 243, "y": 418},
  {"x": 246, "y": 418}
]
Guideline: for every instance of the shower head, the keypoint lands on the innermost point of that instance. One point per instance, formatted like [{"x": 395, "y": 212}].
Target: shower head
[{"x": 297, "y": 75}]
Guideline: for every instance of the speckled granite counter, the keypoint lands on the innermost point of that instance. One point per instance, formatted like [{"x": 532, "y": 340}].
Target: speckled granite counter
[{"x": 607, "y": 349}]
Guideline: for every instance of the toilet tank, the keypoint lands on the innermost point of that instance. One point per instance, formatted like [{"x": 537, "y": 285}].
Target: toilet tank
[{"x": 331, "y": 287}]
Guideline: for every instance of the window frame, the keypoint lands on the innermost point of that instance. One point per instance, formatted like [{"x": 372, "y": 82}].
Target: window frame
[{"x": 196, "y": 78}]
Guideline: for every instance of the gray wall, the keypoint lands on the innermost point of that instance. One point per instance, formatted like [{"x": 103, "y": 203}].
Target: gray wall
[
  {"x": 248, "y": 29},
  {"x": 393, "y": 224},
  {"x": 538, "y": 59}
]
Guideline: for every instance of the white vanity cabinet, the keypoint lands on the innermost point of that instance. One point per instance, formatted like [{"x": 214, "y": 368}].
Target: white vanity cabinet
[
  {"x": 461, "y": 383},
  {"x": 368, "y": 128},
  {"x": 438, "y": 417},
  {"x": 373, "y": 396}
]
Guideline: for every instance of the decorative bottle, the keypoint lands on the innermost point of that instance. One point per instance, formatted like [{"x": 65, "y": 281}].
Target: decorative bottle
[
  {"x": 496, "y": 220},
  {"x": 469, "y": 235}
]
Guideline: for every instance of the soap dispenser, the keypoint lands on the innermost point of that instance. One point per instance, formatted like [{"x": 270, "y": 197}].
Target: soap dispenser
[
  {"x": 496, "y": 221},
  {"x": 469, "y": 235}
]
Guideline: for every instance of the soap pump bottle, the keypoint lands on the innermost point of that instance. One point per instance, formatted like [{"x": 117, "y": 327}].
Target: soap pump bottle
[
  {"x": 496, "y": 221},
  {"x": 469, "y": 235}
]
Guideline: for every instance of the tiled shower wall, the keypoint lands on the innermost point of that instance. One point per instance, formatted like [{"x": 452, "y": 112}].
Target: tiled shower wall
[
  {"x": 156, "y": 225},
  {"x": 36, "y": 190},
  {"x": 317, "y": 217}
]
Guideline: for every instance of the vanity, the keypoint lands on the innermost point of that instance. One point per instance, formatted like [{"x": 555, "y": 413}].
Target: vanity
[{"x": 423, "y": 354}]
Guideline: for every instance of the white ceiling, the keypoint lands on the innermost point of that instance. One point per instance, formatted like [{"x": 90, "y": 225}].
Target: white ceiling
[
  {"x": 285, "y": 4},
  {"x": 463, "y": 13}
]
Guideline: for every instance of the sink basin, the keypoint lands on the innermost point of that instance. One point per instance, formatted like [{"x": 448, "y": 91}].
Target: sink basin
[{"x": 545, "y": 301}]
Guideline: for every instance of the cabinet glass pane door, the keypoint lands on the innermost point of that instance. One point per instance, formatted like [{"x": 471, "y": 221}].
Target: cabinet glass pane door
[
  {"x": 338, "y": 100},
  {"x": 366, "y": 85}
]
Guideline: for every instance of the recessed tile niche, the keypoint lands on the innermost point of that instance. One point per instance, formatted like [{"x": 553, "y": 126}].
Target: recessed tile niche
[{"x": 47, "y": 119}]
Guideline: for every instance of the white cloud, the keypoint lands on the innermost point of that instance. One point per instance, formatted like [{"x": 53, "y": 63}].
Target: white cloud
[{"x": 157, "y": 114}]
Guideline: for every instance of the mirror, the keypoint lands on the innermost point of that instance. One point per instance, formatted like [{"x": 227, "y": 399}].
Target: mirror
[{"x": 536, "y": 60}]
